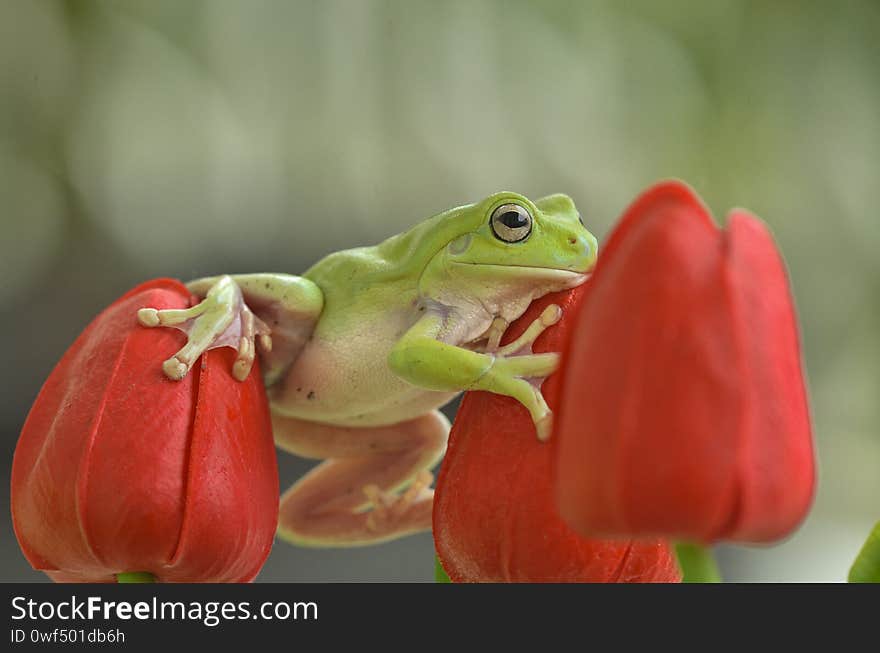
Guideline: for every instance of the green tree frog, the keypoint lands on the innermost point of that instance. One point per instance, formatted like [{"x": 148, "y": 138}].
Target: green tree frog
[{"x": 360, "y": 351}]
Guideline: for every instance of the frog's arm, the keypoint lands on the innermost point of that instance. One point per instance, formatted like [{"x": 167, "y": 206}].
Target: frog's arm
[{"x": 422, "y": 358}]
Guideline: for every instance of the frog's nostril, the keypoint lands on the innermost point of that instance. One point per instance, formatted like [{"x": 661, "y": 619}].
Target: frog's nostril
[{"x": 572, "y": 241}]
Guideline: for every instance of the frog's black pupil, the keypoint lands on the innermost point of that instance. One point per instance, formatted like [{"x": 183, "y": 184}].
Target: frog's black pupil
[{"x": 514, "y": 219}]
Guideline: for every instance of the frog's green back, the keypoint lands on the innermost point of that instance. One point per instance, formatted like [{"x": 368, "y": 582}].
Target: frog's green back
[
  {"x": 397, "y": 260},
  {"x": 381, "y": 281}
]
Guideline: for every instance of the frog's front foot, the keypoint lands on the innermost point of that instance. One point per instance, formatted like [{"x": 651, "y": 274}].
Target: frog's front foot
[
  {"x": 389, "y": 509},
  {"x": 520, "y": 375},
  {"x": 221, "y": 319}
]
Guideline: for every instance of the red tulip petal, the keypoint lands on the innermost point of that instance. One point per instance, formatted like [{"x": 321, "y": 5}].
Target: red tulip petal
[
  {"x": 65, "y": 577},
  {"x": 698, "y": 427},
  {"x": 232, "y": 485},
  {"x": 58, "y": 451},
  {"x": 776, "y": 473},
  {"x": 133, "y": 481},
  {"x": 648, "y": 562},
  {"x": 638, "y": 429}
]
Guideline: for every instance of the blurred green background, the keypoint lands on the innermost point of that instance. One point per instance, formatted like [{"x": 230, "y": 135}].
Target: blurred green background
[{"x": 168, "y": 138}]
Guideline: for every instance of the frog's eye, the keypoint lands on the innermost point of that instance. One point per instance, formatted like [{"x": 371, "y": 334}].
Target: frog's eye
[{"x": 511, "y": 223}]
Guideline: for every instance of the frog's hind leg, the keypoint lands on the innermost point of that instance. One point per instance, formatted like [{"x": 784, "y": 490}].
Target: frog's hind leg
[{"x": 372, "y": 487}]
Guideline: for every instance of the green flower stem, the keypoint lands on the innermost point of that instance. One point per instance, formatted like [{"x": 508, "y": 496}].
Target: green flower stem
[
  {"x": 866, "y": 568},
  {"x": 135, "y": 577},
  {"x": 440, "y": 574},
  {"x": 697, "y": 563}
]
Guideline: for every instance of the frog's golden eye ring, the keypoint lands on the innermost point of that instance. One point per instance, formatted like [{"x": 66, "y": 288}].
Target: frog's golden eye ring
[{"x": 511, "y": 223}]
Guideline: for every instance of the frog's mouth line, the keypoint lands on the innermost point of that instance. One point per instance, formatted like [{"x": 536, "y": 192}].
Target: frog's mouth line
[{"x": 570, "y": 277}]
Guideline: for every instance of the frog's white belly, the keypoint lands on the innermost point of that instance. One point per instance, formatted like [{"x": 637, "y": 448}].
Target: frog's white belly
[{"x": 347, "y": 381}]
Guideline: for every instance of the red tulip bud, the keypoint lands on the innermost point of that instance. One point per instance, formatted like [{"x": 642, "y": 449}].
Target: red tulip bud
[
  {"x": 119, "y": 469},
  {"x": 684, "y": 411},
  {"x": 495, "y": 517}
]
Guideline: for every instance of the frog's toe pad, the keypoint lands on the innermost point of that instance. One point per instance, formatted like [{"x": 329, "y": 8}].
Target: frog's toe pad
[
  {"x": 551, "y": 315},
  {"x": 245, "y": 360},
  {"x": 149, "y": 317},
  {"x": 175, "y": 369},
  {"x": 544, "y": 427}
]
